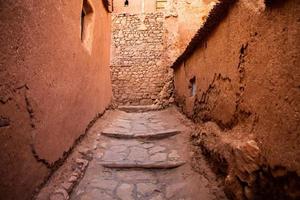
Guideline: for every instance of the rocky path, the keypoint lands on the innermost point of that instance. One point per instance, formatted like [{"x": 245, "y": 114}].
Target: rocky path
[{"x": 141, "y": 156}]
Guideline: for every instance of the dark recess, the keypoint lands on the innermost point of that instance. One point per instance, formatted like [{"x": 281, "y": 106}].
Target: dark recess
[{"x": 274, "y": 3}]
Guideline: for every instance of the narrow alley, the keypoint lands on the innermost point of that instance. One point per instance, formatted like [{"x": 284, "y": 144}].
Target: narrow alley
[
  {"x": 137, "y": 155},
  {"x": 150, "y": 100}
]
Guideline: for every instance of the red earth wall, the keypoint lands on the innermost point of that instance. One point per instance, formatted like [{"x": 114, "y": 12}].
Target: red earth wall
[
  {"x": 247, "y": 81},
  {"x": 52, "y": 85}
]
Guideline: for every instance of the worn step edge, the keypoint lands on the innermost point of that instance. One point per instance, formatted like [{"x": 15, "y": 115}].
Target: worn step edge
[
  {"x": 150, "y": 165},
  {"x": 156, "y": 135},
  {"x": 139, "y": 108}
]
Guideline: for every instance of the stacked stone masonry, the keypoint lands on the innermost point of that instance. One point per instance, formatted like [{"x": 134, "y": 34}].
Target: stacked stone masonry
[{"x": 138, "y": 72}]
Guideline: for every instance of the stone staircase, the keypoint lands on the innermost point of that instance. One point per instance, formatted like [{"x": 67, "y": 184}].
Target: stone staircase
[
  {"x": 136, "y": 145},
  {"x": 143, "y": 154}
]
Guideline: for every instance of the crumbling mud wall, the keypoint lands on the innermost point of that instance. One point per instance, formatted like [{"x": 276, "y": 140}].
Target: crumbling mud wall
[
  {"x": 138, "y": 72},
  {"x": 55, "y": 79},
  {"x": 239, "y": 78},
  {"x": 182, "y": 20}
]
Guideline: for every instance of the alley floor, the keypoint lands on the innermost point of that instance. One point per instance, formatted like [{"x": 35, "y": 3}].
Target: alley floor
[{"x": 136, "y": 156}]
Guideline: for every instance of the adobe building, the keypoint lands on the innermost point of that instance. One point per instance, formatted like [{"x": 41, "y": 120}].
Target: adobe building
[
  {"x": 147, "y": 37},
  {"x": 239, "y": 78},
  {"x": 231, "y": 66},
  {"x": 55, "y": 80},
  {"x": 182, "y": 21}
]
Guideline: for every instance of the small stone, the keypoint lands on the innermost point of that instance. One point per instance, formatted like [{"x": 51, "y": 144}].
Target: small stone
[
  {"x": 113, "y": 156},
  {"x": 173, "y": 189},
  {"x": 148, "y": 145},
  {"x": 173, "y": 155},
  {"x": 81, "y": 161},
  {"x": 118, "y": 148},
  {"x": 67, "y": 186},
  {"x": 99, "y": 155},
  {"x": 104, "y": 184},
  {"x": 159, "y": 157},
  {"x": 171, "y": 100},
  {"x": 83, "y": 150},
  {"x": 75, "y": 175},
  {"x": 135, "y": 175},
  {"x": 79, "y": 191},
  {"x": 124, "y": 191},
  {"x": 95, "y": 146},
  {"x": 159, "y": 197},
  {"x": 73, "y": 178},
  {"x": 60, "y": 194},
  {"x": 137, "y": 154},
  {"x": 103, "y": 145},
  {"x": 95, "y": 194},
  {"x": 146, "y": 188},
  {"x": 157, "y": 149},
  {"x": 57, "y": 197}
]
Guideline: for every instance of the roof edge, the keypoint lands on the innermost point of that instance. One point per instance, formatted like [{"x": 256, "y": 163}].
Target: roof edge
[{"x": 215, "y": 17}]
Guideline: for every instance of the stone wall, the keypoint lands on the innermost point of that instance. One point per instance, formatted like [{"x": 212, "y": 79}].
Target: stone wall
[
  {"x": 55, "y": 80},
  {"x": 134, "y": 7},
  {"x": 138, "y": 73},
  {"x": 244, "y": 65}
]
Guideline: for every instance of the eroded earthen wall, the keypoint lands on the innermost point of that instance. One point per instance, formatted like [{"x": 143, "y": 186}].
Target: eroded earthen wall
[
  {"x": 52, "y": 85},
  {"x": 247, "y": 94},
  {"x": 138, "y": 73},
  {"x": 182, "y": 20}
]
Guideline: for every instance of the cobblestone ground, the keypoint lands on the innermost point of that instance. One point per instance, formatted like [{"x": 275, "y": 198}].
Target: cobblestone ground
[
  {"x": 134, "y": 168},
  {"x": 135, "y": 156}
]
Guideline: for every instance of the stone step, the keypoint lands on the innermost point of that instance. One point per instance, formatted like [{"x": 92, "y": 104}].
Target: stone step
[
  {"x": 139, "y": 154},
  {"x": 135, "y": 109},
  {"x": 145, "y": 165},
  {"x": 139, "y": 135}
]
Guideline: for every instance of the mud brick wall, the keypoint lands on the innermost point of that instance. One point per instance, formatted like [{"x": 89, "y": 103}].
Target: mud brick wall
[
  {"x": 53, "y": 84},
  {"x": 245, "y": 75},
  {"x": 137, "y": 70}
]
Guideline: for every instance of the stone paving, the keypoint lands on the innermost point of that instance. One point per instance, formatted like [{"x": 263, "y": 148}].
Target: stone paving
[
  {"x": 125, "y": 168},
  {"x": 140, "y": 125},
  {"x": 139, "y": 154}
]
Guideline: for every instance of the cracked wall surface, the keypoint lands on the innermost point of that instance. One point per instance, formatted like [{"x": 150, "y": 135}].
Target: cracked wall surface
[
  {"x": 182, "y": 20},
  {"x": 51, "y": 87},
  {"x": 247, "y": 76}
]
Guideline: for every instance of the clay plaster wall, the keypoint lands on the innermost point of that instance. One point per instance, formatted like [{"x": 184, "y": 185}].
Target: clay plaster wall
[
  {"x": 182, "y": 20},
  {"x": 138, "y": 74},
  {"x": 51, "y": 86},
  {"x": 247, "y": 78}
]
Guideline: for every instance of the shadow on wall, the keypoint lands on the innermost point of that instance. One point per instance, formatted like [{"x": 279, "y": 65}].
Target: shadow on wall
[{"x": 87, "y": 25}]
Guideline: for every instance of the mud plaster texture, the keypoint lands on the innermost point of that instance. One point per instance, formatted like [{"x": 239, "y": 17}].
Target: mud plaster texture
[
  {"x": 51, "y": 86},
  {"x": 138, "y": 73},
  {"x": 247, "y": 95},
  {"x": 182, "y": 20}
]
